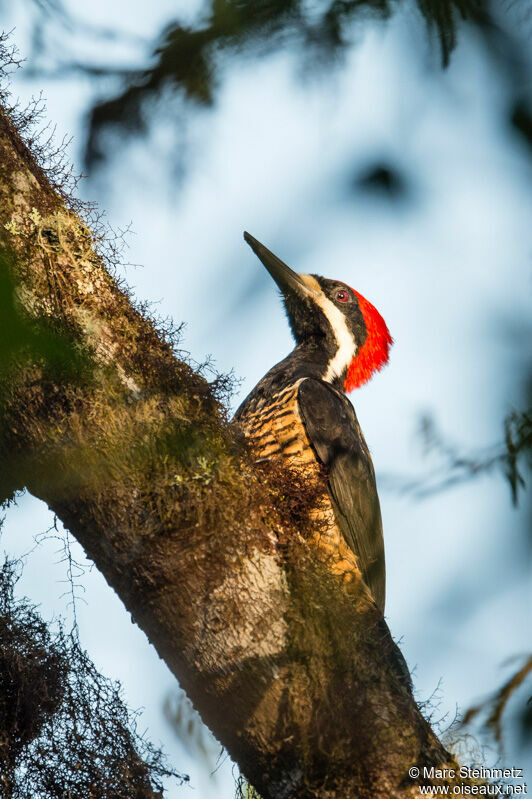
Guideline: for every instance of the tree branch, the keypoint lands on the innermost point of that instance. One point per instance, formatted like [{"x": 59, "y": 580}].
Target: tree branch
[{"x": 133, "y": 451}]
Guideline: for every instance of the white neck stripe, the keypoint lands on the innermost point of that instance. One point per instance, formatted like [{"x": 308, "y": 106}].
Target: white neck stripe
[{"x": 346, "y": 344}]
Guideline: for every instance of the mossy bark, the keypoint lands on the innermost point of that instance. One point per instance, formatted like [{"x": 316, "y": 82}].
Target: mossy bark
[{"x": 133, "y": 452}]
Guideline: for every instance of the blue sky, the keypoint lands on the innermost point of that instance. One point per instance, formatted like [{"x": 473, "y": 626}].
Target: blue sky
[{"x": 449, "y": 268}]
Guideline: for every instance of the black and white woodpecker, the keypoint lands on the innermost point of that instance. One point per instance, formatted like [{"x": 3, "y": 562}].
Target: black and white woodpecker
[{"x": 299, "y": 411}]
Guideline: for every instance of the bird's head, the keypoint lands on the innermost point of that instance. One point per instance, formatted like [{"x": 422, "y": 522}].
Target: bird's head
[{"x": 331, "y": 318}]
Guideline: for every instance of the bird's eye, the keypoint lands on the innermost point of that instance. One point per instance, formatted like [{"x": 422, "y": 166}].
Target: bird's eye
[{"x": 342, "y": 296}]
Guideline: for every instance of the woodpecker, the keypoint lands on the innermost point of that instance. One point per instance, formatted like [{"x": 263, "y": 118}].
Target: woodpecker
[{"x": 299, "y": 411}]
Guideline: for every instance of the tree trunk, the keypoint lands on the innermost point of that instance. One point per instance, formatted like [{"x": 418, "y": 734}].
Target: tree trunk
[{"x": 133, "y": 452}]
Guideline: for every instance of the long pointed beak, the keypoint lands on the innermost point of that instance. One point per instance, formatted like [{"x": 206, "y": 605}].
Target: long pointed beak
[{"x": 285, "y": 277}]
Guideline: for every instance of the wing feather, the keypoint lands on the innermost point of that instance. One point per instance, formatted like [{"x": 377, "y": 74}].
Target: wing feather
[{"x": 333, "y": 430}]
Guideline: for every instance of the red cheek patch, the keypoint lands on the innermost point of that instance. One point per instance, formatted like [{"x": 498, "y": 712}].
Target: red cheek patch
[{"x": 374, "y": 353}]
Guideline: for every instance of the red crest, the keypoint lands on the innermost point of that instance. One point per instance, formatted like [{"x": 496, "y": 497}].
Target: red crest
[{"x": 374, "y": 353}]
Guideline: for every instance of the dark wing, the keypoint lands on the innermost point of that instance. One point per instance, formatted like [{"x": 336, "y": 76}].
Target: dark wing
[{"x": 333, "y": 430}]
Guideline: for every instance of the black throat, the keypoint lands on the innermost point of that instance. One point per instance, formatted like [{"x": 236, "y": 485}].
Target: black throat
[{"x": 309, "y": 359}]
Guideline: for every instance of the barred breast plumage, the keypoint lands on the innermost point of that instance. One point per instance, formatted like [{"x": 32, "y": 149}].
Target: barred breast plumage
[{"x": 276, "y": 428}]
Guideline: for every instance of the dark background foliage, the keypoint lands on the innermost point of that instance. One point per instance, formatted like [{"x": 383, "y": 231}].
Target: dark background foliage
[{"x": 64, "y": 728}]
